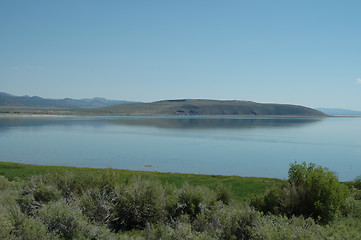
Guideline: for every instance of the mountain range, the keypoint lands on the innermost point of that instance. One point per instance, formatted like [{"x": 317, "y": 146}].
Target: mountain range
[
  {"x": 8, "y": 100},
  {"x": 179, "y": 107}
]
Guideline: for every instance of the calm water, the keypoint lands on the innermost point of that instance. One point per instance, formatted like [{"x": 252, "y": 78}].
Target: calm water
[{"x": 226, "y": 146}]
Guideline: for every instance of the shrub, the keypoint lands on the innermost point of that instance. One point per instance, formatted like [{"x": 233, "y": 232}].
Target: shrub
[
  {"x": 45, "y": 194},
  {"x": 62, "y": 219},
  {"x": 352, "y": 207},
  {"x": 311, "y": 192},
  {"x": 183, "y": 230},
  {"x": 138, "y": 203},
  {"x": 4, "y": 183},
  {"x": 223, "y": 194},
  {"x": 102, "y": 233},
  {"x": 69, "y": 184},
  {"x": 35, "y": 194},
  {"x": 9, "y": 192},
  {"x": 344, "y": 228},
  {"x": 6, "y": 225},
  {"x": 179, "y": 230},
  {"x": 192, "y": 201},
  {"x": 238, "y": 223},
  {"x": 320, "y": 190},
  {"x": 97, "y": 204},
  {"x": 357, "y": 195},
  {"x": 227, "y": 222},
  {"x": 357, "y": 182},
  {"x": 280, "y": 227},
  {"x": 33, "y": 228},
  {"x": 109, "y": 180}
]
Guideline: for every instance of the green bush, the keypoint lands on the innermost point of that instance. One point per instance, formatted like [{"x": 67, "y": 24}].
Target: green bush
[
  {"x": 357, "y": 182},
  {"x": 344, "y": 228},
  {"x": 109, "y": 180},
  {"x": 6, "y": 225},
  {"x": 273, "y": 201},
  {"x": 238, "y": 223},
  {"x": 352, "y": 206},
  {"x": 357, "y": 195},
  {"x": 97, "y": 204},
  {"x": 68, "y": 184},
  {"x": 271, "y": 227},
  {"x": 227, "y": 222},
  {"x": 61, "y": 219},
  {"x": 311, "y": 192},
  {"x": 178, "y": 230},
  {"x": 138, "y": 203},
  {"x": 45, "y": 194},
  {"x": 8, "y": 197},
  {"x": 33, "y": 228},
  {"x": 28, "y": 205},
  {"x": 210, "y": 221},
  {"x": 322, "y": 194},
  {"x": 4, "y": 183},
  {"x": 192, "y": 201},
  {"x": 36, "y": 193},
  {"x": 223, "y": 194}
]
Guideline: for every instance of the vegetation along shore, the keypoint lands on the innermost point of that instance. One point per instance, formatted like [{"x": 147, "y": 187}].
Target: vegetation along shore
[{"x": 46, "y": 202}]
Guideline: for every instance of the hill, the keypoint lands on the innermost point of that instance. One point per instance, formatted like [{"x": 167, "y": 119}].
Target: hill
[
  {"x": 198, "y": 107},
  {"x": 8, "y": 100},
  {"x": 181, "y": 107}
]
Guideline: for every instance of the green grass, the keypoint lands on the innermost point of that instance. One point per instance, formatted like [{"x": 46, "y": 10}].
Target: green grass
[{"x": 240, "y": 187}]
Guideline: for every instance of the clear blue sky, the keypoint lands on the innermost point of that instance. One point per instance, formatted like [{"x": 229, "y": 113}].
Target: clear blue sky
[{"x": 297, "y": 52}]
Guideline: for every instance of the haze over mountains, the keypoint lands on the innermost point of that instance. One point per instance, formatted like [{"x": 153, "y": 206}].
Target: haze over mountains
[{"x": 8, "y": 100}]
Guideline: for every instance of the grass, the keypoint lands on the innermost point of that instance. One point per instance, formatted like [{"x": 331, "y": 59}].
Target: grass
[{"x": 240, "y": 187}]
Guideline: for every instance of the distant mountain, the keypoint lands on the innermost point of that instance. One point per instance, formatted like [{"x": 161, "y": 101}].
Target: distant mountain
[
  {"x": 194, "y": 107},
  {"x": 8, "y": 100},
  {"x": 180, "y": 107},
  {"x": 339, "y": 112}
]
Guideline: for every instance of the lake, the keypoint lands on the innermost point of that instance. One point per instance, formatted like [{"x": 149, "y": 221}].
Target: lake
[{"x": 261, "y": 147}]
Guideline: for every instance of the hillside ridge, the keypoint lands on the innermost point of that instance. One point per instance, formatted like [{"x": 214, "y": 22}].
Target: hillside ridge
[{"x": 206, "y": 107}]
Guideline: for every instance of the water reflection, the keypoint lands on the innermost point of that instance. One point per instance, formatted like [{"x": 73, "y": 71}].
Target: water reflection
[
  {"x": 211, "y": 123},
  {"x": 158, "y": 122}
]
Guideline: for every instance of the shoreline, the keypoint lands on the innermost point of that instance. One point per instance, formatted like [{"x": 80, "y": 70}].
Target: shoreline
[
  {"x": 59, "y": 167},
  {"x": 25, "y": 115},
  {"x": 21, "y": 115}
]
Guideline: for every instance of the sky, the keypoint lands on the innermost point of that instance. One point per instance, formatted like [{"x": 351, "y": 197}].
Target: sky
[{"x": 296, "y": 52}]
